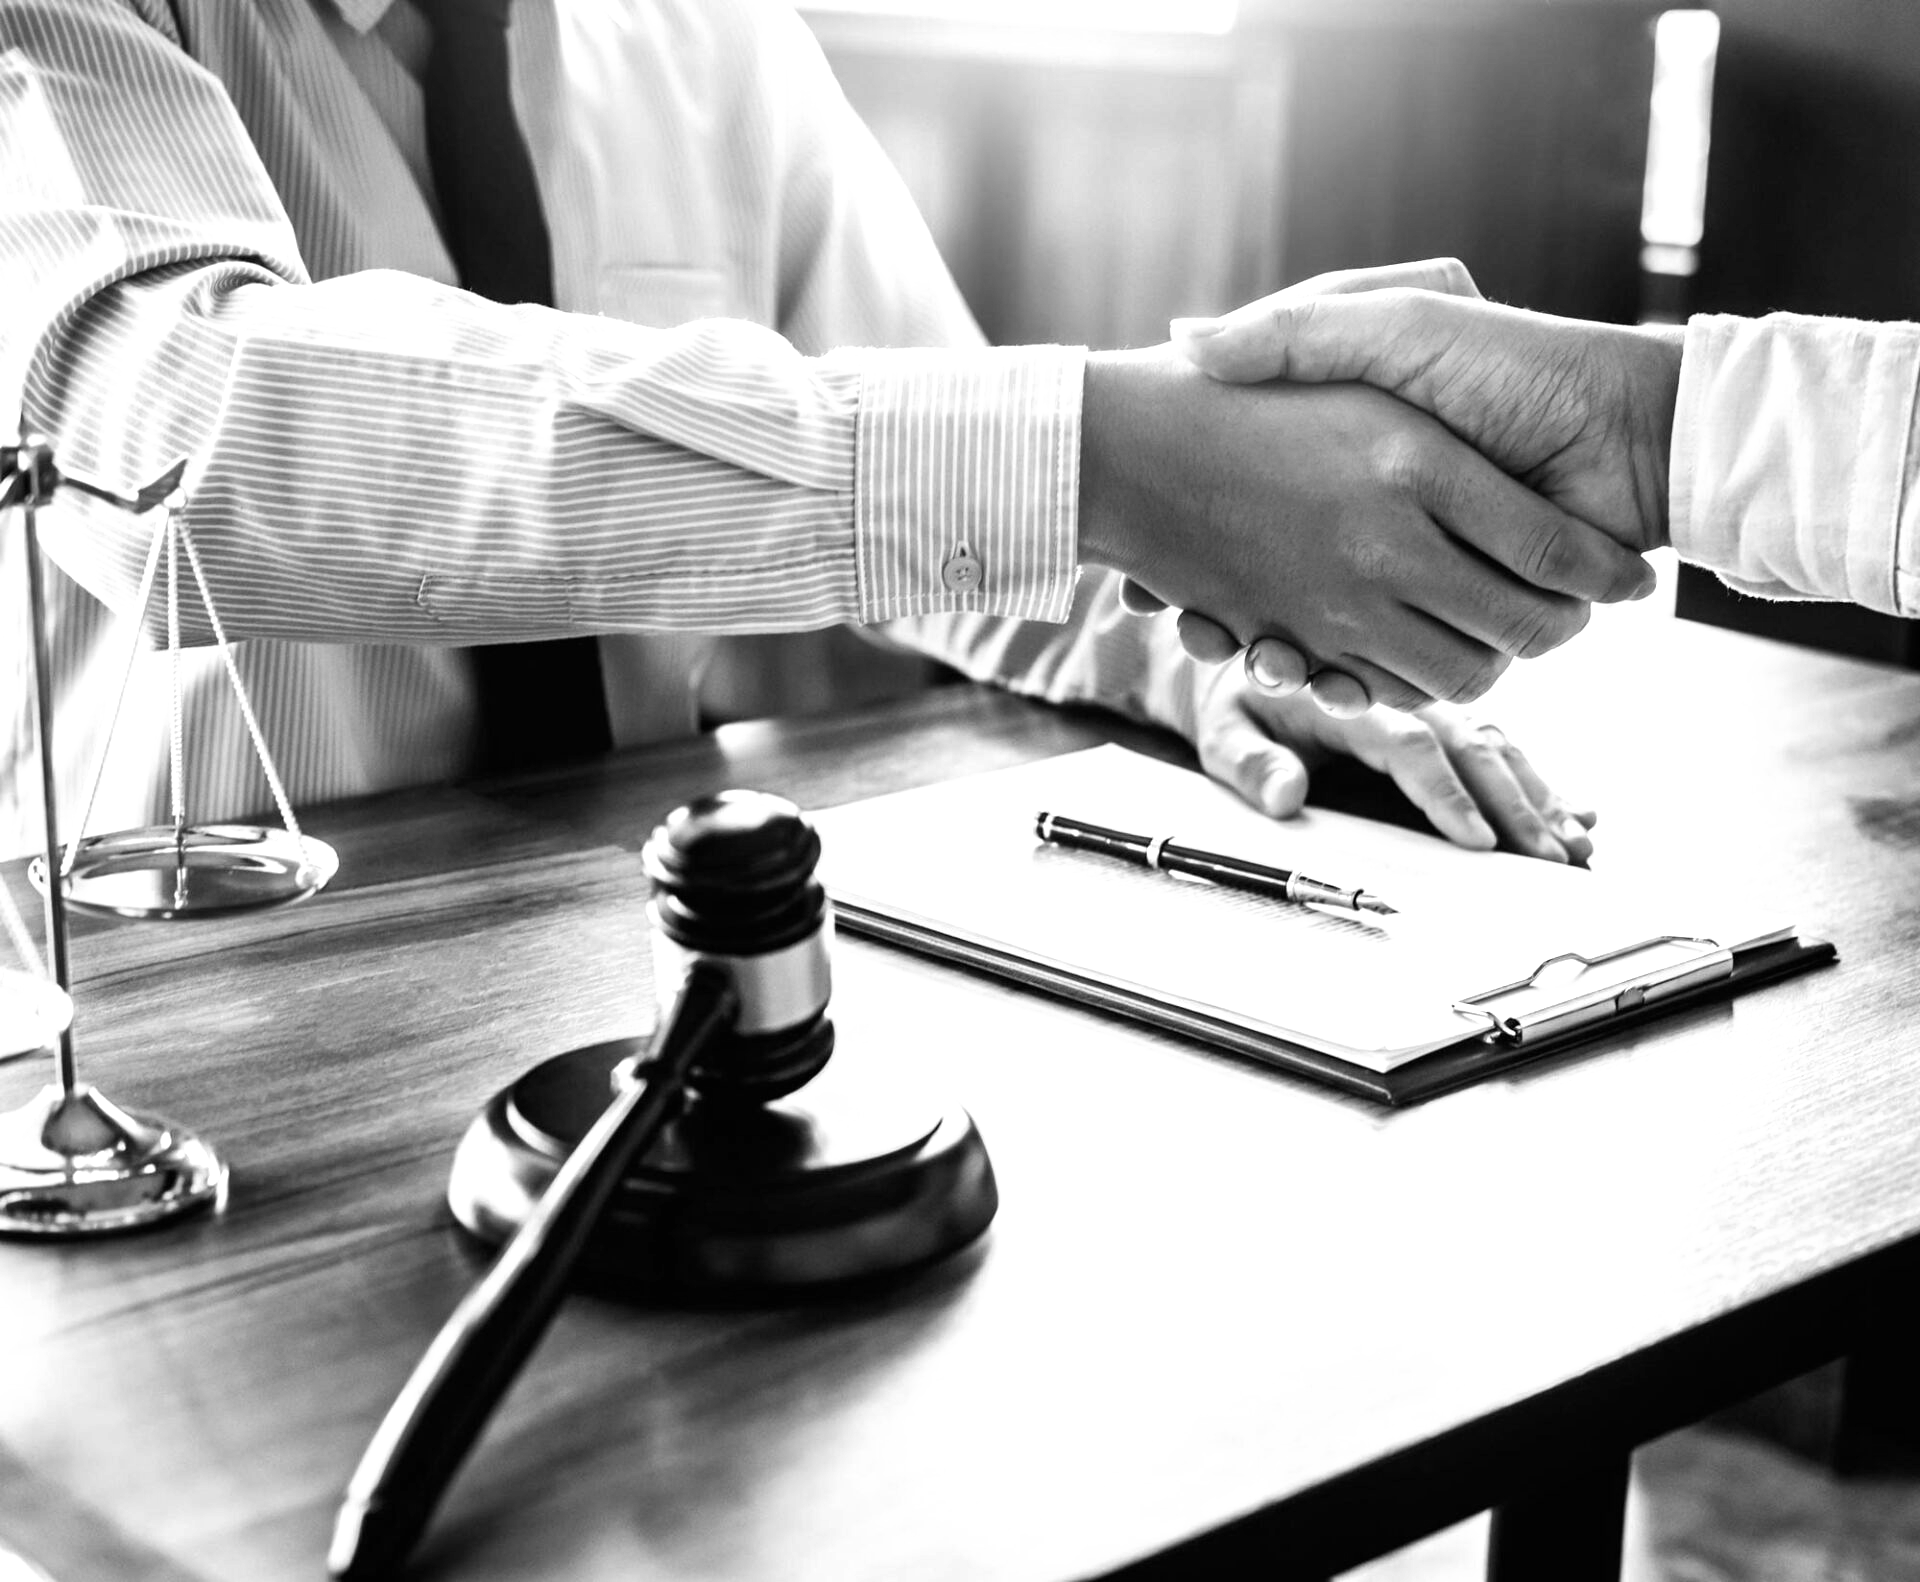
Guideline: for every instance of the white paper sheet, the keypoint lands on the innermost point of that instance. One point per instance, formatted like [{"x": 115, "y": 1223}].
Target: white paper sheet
[{"x": 960, "y": 859}]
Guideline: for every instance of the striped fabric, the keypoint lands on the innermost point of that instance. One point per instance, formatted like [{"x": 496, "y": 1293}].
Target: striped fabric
[{"x": 218, "y": 242}]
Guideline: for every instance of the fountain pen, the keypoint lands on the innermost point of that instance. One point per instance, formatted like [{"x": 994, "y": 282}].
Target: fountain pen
[{"x": 1158, "y": 851}]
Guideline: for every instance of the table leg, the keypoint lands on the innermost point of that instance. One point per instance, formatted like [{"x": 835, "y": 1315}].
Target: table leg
[
  {"x": 1877, "y": 1420},
  {"x": 1569, "y": 1530}
]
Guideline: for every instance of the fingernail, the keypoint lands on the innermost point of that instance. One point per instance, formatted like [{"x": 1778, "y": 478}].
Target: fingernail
[
  {"x": 1481, "y": 833},
  {"x": 1194, "y": 329},
  {"x": 1263, "y": 673},
  {"x": 1572, "y": 830},
  {"x": 1649, "y": 580}
]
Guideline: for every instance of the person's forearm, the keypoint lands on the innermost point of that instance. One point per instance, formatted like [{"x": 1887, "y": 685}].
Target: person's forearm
[
  {"x": 383, "y": 459},
  {"x": 377, "y": 457}
]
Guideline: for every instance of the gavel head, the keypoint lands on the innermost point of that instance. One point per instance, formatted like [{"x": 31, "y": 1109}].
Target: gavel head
[{"x": 733, "y": 877}]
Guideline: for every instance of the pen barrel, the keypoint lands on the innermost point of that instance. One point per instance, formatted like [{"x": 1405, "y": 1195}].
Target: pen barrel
[
  {"x": 439, "y": 1413},
  {"x": 1171, "y": 857},
  {"x": 1091, "y": 837},
  {"x": 1236, "y": 872}
]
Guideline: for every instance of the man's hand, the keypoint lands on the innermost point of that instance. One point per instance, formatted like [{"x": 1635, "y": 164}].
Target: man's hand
[
  {"x": 1582, "y": 412},
  {"x": 1340, "y": 521},
  {"x": 1474, "y": 785}
]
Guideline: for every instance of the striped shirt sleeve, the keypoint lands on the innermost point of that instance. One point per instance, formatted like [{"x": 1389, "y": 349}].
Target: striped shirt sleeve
[{"x": 381, "y": 458}]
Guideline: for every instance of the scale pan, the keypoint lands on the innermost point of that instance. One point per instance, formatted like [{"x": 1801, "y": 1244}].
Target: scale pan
[
  {"x": 209, "y": 870},
  {"x": 33, "y": 1013}
]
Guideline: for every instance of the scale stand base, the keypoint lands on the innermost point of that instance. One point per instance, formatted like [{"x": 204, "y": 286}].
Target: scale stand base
[
  {"x": 76, "y": 1164},
  {"x": 847, "y": 1179}
]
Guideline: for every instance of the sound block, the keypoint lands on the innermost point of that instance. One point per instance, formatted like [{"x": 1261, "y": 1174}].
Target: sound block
[{"x": 854, "y": 1176}]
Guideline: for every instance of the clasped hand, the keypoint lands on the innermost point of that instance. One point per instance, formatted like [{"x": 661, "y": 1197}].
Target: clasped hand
[
  {"x": 1339, "y": 519},
  {"x": 1581, "y": 412}
]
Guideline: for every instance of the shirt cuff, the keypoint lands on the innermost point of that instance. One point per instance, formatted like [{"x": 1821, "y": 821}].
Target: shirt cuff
[
  {"x": 1793, "y": 453},
  {"x": 967, "y": 481}
]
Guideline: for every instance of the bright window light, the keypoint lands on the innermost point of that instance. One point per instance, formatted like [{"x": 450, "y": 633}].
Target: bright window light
[
  {"x": 1130, "y": 16},
  {"x": 1673, "y": 209}
]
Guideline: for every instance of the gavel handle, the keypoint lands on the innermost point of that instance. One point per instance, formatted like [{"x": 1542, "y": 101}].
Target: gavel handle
[{"x": 443, "y": 1406}]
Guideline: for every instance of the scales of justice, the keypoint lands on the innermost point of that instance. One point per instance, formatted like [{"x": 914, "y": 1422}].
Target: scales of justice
[{"x": 72, "y": 1162}]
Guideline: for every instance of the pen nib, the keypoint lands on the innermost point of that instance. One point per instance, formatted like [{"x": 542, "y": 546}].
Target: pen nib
[{"x": 1373, "y": 903}]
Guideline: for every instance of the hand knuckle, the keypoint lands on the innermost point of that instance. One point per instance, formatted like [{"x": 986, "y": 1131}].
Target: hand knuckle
[
  {"x": 1399, "y": 459},
  {"x": 1524, "y": 633},
  {"x": 1400, "y": 695},
  {"x": 1475, "y": 679},
  {"x": 1373, "y": 559},
  {"x": 1294, "y": 324},
  {"x": 1548, "y": 556},
  {"x": 1413, "y": 308},
  {"x": 1570, "y": 623},
  {"x": 1480, "y": 751},
  {"x": 1408, "y": 736},
  {"x": 1542, "y": 627}
]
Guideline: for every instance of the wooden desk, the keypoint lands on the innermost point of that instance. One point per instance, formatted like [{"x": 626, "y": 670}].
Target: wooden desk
[{"x": 1226, "y": 1324}]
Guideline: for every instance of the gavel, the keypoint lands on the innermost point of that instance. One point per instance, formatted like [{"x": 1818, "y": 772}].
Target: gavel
[
  {"x": 668, "y": 1165},
  {"x": 736, "y": 909}
]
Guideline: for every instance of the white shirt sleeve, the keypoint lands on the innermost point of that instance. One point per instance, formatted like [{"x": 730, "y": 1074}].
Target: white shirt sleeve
[
  {"x": 382, "y": 458},
  {"x": 1794, "y": 458}
]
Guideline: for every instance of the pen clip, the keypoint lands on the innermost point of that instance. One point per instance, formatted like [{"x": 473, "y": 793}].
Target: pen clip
[{"x": 1571, "y": 990}]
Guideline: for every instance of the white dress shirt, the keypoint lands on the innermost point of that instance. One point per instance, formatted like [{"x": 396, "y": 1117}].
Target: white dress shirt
[
  {"x": 218, "y": 243},
  {"x": 1795, "y": 453}
]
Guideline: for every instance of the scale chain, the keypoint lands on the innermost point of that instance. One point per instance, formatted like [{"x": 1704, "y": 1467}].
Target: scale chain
[
  {"x": 176, "y": 731},
  {"x": 140, "y": 606},
  {"x": 172, "y": 536},
  {"x": 267, "y": 766}
]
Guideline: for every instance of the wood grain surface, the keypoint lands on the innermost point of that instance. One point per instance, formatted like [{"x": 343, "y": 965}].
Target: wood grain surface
[{"x": 1224, "y": 1317}]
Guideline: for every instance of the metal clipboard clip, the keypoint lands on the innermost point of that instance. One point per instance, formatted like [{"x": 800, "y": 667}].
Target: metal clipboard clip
[{"x": 1571, "y": 990}]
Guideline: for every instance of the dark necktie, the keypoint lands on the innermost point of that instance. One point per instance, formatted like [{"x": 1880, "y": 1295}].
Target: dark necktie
[{"x": 540, "y": 703}]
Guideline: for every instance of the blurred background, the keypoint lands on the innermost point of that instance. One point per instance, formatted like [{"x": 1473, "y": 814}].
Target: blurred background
[{"x": 1091, "y": 167}]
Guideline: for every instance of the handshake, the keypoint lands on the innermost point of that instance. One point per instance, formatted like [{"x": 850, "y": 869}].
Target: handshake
[{"x": 1464, "y": 482}]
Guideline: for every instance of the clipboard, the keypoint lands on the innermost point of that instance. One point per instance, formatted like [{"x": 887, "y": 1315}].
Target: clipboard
[{"x": 1438, "y": 1007}]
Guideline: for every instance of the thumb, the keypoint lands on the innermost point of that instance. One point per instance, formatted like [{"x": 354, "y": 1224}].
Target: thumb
[
  {"x": 1446, "y": 275},
  {"x": 1235, "y": 751},
  {"x": 1383, "y": 338}
]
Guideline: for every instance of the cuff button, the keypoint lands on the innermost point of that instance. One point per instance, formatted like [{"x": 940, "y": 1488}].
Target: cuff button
[{"x": 961, "y": 572}]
